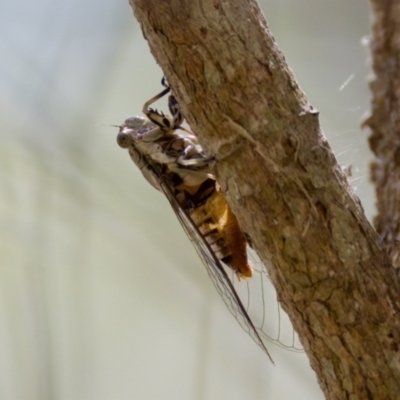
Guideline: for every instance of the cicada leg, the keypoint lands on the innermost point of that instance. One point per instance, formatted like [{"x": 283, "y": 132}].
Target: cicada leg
[
  {"x": 163, "y": 121},
  {"x": 173, "y": 105}
]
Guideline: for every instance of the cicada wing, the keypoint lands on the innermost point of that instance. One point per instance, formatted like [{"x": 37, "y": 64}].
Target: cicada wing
[
  {"x": 215, "y": 269},
  {"x": 260, "y": 300}
]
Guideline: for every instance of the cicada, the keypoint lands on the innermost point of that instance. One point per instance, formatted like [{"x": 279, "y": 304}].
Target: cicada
[{"x": 172, "y": 160}]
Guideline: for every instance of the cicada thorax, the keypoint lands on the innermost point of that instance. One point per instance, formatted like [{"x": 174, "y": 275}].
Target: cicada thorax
[{"x": 211, "y": 213}]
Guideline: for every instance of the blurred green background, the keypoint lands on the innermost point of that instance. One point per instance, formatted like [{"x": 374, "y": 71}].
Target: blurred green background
[{"x": 101, "y": 294}]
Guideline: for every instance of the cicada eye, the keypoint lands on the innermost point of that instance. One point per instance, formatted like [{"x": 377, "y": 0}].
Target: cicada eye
[{"x": 123, "y": 139}]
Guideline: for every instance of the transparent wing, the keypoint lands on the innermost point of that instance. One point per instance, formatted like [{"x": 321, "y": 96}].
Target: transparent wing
[
  {"x": 260, "y": 300},
  {"x": 215, "y": 270}
]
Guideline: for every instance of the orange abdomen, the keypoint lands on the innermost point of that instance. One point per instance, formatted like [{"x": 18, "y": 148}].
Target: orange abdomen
[{"x": 221, "y": 230}]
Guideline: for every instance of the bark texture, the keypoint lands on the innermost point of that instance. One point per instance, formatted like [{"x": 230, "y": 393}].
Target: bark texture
[
  {"x": 384, "y": 122},
  {"x": 282, "y": 180}
]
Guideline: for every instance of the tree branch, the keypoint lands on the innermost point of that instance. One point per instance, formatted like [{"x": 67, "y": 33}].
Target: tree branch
[
  {"x": 283, "y": 182},
  {"x": 384, "y": 122}
]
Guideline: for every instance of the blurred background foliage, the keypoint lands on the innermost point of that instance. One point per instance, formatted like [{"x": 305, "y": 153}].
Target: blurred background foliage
[{"x": 101, "y": 293}]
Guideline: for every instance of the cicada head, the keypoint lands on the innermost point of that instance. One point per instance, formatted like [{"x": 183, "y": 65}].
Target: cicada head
[
  {"x": 128, "y": 131},
  {"x": 137, "y": 129}
]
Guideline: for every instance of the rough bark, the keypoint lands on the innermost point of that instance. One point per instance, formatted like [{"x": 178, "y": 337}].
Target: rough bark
[
  {"x": 384, "y": 122},
  {"x": 283, "y": 182}
]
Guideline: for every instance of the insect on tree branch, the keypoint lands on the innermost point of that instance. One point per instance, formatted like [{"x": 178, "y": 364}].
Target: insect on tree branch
[{"x": 282, "y": 181}]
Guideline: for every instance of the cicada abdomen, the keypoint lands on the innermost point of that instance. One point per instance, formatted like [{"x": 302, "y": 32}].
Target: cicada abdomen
[
  {"x": 175, "y": 164},
  {"x": 220, "y": 228}
]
